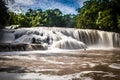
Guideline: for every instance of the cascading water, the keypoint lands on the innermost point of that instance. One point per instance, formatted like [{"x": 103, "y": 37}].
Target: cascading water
[
  {"x": 62, "y": 38},
  {"x": 69, "y": 44},
  {"x": 93, "y": 37}
]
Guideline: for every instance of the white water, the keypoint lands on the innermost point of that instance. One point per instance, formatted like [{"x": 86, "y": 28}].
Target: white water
[
  {"x": 37, "y": 76},
  {"x": 115, "y": 66},
  {"x": 89, "y": 37},
  {"x": 63, "y": 38}
]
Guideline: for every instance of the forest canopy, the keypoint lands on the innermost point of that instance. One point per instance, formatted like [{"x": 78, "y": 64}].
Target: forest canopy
[
  {"x": 94, "y": 14},
  {"x": 50, "y": 18},
  {"x": 100, "y": 14}
]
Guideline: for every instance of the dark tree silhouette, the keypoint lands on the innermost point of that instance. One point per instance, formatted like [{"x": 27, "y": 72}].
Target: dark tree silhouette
[{"x": 3, "y": 14}]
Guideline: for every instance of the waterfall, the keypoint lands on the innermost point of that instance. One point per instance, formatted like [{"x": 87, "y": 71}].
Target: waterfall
[
  {"x": 69, "y": 44},
  {"x": 93, "y": 37},
  {"x": 63, "y": 38}
]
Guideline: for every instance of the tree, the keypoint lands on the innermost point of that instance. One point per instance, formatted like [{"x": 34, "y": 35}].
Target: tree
[
  {"x": 118, "y": 28},
  {"x": 88, "y": 14},
  {"x": 105, "y": 20},
  {"x": 22, "y": 20},
  {"x": 3, "y": 14},
  {"x": 35, "y": 17},
  {"x": 69, "y": 20},
  {"x": 12, "y": 19},
  {"x": 99, "y": 14},
  {"x": 52, "y": 18}
]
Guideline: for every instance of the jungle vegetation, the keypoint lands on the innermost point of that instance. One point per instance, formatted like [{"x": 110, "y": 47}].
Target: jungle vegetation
[{"x": 94, "y": 14}]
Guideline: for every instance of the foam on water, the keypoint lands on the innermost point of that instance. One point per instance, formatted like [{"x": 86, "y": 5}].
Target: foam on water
[
  {"x": 62, "y": 38},
  {"x": 115, "y": 66},
  {"x": 39, "y": 76},
  {"x": 51, "y": 61},
  {"x": 69, "y": 44},
  {"x": 29, "y": 57},
  {"x": 89, "y": 37}
]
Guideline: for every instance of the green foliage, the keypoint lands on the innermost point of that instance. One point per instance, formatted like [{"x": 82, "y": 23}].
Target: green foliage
[
  {"x": 12, "y": 18},
  {"x": 50, "y": 18},
  {"x": 88, "y": 14},
  {"x": 118, "y": 18},
  {"x": 18, "y": 19},
  {"x": 69, "y": 20},
  {"x": 22, "y": 20},
  {"x": 105, "y": 20},
  {"x": 95, "y": 14},
  {"x": 3, "y": 14},
  {"x": 100, "y": 14}
]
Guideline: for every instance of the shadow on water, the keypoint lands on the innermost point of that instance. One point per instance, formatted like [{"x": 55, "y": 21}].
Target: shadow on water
[
  {"x": 10, "y": 76},
  {"x": 9, "y": 73},
  {"x": 12, "y": 69}
]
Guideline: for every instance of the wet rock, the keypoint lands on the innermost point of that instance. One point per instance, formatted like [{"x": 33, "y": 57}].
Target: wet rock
[{"x": 21, "y": 47}]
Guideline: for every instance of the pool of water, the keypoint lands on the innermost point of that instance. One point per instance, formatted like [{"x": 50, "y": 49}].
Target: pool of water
[{"x": 95, "y": 64}]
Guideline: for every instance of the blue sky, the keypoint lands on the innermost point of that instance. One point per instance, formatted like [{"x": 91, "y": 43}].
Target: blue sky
[{"x": 66, "y": 6}]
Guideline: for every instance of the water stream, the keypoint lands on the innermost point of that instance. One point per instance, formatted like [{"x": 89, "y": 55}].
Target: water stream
[
  {"x": 59, "y": 54},
  {"x": 48, "y": 38}
]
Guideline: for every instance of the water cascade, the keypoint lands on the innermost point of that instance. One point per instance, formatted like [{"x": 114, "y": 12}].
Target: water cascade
[{"x": 61, "y": 38}]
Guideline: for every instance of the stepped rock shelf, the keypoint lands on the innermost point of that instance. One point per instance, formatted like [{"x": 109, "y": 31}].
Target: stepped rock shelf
[
  {"x": 20, "y": 47},
  {"x": 43, "y": 38}
]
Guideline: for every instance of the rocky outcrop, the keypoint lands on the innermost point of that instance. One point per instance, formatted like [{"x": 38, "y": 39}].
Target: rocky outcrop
[{"x": 21, "y": 47}]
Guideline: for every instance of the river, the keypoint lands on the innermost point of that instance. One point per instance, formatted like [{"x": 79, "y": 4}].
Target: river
[
  {"x": 64, "y": 65},
  {"x": 59, "y": 54}
]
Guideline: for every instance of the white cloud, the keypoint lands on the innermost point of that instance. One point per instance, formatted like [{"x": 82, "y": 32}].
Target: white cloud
[
  {"x": 43, "y": 4},
  {"x": 25, "y": 2},
  {"x": 80, "y": 2}
]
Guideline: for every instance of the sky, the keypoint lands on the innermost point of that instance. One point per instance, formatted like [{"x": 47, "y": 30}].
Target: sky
[{"x": 65, "y": 6}]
